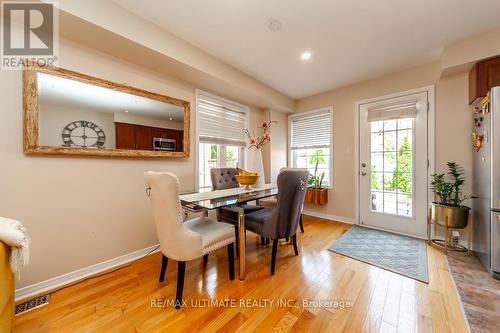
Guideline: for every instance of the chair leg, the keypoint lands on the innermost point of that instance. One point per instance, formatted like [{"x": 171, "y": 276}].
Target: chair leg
[
  {"x": 268, "y": 240},
  {"x": 164, "y": 262},
  {"x": 295, "y": 248},
  {"x": 205, "y": 258},
  {"x": 287, "y": 239},
  {"x": 262, "y": 240},
  {"x": 181, "y": 269},
  {"x": 273, "y": 258},
  {"x": 301, "y": 224},
  {"x": 237, "y": 236},
  {"x": 230, "y": 258}
]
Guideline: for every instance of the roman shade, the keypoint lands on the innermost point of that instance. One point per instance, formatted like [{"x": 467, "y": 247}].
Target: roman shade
[
  {"x": 399, "y": 111},
  {"x": 311, "y": 130},
  {"x": 220, "y": 121}
]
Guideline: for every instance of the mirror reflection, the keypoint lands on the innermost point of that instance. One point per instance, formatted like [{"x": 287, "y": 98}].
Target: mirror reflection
[{"x": 81, "y": 115}]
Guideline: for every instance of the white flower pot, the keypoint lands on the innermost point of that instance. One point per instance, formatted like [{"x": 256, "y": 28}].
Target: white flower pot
[{"x": 255, "y": 164}]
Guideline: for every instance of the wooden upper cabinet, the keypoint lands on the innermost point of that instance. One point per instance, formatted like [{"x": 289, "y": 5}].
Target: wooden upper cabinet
[
  {"x": 143, "y": 137},
  {"x": 125, "y": 136},
  {"x": 158, "y": 132},
  {"x": 180, "y": 141},
  {"x": 494, "y": 73},
  {"x": 482, "y": 77},
  {"x": 130, "y": 136}
]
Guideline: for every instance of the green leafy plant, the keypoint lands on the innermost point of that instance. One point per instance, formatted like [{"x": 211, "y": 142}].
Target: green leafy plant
[
  {"x": 317, "y": 157},
  {"x": 448, "y": 189},
  {"x": 373, "y": 179},
  {"x": 402, "y": 177},
  {"x": 316, "y": 180}
]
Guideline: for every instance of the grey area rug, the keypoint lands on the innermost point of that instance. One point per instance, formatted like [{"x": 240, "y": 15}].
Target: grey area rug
[{"x": 396, "y": 253}]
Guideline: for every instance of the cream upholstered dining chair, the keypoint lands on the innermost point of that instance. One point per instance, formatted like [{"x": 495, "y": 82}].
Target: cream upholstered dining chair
[{"x": 186, "y": 241}]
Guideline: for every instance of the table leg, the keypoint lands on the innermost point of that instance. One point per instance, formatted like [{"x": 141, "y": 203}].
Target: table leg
[
  {"x": 470, "y": 235},
  {"x": 241, "y": 225},
  {"x": 446, "y": 235}
]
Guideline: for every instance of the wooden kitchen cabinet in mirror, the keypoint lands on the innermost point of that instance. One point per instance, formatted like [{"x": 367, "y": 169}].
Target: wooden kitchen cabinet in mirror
[{"x": 70, "y": 113}]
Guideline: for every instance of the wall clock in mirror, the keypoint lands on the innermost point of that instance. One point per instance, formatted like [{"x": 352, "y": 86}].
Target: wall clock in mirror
[{"x": 82, "y": 133}]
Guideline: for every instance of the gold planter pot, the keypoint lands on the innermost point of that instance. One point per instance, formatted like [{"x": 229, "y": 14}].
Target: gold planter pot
[{"x": 450, "y": 216}]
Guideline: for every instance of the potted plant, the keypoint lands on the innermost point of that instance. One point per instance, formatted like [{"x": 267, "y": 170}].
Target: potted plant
[
  {"x": 317, "y": 194},
  {"x": 449, "y": 208}
]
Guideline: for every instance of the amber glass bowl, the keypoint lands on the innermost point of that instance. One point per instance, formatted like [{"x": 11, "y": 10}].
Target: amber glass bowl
[{"x": 247, "y": 180}]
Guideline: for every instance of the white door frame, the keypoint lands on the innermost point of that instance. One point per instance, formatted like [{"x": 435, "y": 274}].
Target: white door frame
[{"x": 430, "y": 138}]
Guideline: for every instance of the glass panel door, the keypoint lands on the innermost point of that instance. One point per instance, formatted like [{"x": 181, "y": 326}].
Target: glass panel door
[{"x": 393, "y": 170}]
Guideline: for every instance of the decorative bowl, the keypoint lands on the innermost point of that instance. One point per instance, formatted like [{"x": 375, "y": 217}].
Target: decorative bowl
[{"x": 247, "y": 180}]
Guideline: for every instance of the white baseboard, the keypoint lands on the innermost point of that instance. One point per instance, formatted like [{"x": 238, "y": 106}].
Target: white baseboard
[
  {"x": 342, "y": 219},
  {"x": 66, "y": 279}
]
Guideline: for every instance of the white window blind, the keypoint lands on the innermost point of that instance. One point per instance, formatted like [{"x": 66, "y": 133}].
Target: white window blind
[
  {"x": 399, "y": 111},
  {"x": 220, "y": 121},
  {"x": 311, "y": 131}
]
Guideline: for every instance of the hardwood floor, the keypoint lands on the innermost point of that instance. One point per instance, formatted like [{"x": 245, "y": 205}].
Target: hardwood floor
[{"x": 369, "y": 299}]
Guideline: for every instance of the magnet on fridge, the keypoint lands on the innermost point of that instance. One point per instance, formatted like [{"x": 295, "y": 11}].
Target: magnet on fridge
[{"x": 477, "y": 141}]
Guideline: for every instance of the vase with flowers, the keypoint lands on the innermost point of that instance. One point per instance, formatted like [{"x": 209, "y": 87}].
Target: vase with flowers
[{"x": 254, "y": 161}]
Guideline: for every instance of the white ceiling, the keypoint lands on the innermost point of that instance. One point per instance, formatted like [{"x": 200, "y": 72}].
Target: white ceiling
[
  {"x": 56, "y": 90},
  {"x": 350, "y": 40}
]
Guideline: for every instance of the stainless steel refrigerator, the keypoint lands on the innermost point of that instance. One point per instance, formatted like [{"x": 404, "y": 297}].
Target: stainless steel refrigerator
[{"x": 486, "y": 187}]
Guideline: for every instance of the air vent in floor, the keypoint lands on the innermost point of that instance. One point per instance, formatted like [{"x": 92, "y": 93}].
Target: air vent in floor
[{"x": 32, "y": 304}]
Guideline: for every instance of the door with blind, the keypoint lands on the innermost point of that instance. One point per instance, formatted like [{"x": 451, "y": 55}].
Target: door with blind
[
  {"x": 393, "y": 156},
  {"x": 311, "y": 143},
  {"x": 220, "y": 135}
]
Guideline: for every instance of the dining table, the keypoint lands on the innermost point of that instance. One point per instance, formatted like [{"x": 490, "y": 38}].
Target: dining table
[{"x": 204, "y": 201}]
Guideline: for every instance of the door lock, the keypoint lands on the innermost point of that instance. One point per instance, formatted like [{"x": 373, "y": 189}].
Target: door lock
[
  {"x": 363, "y": 165},
  {"x": 363, "y": 173}
]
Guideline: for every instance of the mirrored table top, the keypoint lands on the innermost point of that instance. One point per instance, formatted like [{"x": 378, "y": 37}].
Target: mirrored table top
[{"x": 223, "y": 198}]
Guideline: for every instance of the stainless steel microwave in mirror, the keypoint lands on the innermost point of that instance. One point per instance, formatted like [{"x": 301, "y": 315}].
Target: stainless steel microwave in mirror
[{"x": 72, "y": 113}]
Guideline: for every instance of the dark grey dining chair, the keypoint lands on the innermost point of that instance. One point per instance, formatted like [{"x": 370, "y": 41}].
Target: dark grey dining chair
[
  {"x": 224, "y": 178},
  {"x": 271, "y": 202},
  {"x": 281, "y": 222}
]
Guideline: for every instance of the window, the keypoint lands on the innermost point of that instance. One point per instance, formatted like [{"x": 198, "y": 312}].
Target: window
[
  {"x": 392, "y": 155},
  {"x": 220, "y": 135},
  {"x": 311, "y": 143}
]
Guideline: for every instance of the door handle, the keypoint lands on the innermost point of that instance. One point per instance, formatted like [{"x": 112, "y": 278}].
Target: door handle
[
  {"x": 363, "y": 165},
  {"x": 363, "y": 173}
]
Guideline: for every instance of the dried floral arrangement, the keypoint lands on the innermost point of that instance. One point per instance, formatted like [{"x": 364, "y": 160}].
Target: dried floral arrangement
[{"x": 259, "y": 141}]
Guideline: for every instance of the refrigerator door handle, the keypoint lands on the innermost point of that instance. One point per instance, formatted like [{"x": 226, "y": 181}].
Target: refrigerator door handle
[{"x": 495, "y": 147}]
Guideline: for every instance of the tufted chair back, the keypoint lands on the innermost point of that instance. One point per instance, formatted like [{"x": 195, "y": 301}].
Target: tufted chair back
[
  {"x": 177, "y": 242},
  {"x": 223, "y": 178},
  {"x": 292, "y": 186}
]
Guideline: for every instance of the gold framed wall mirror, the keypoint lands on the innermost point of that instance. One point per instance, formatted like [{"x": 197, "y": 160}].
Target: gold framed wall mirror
[{"x": 69, "y": 113}]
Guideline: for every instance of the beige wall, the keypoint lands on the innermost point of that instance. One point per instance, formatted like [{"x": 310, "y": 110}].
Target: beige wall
[
  {"x": 279, "y": 143},
  {"x": 461, "y": 55},
  {"x": 83, "y": 211},
  {"x": 452, "y": 122}
]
